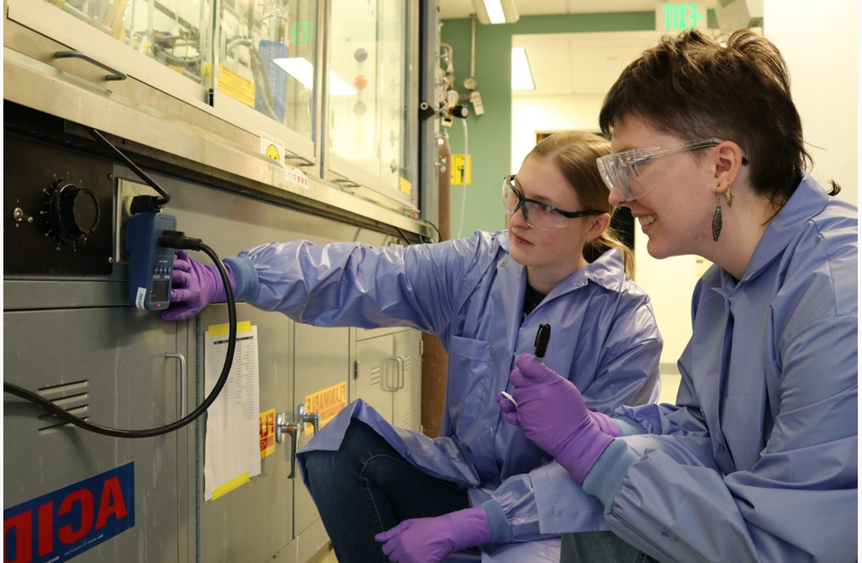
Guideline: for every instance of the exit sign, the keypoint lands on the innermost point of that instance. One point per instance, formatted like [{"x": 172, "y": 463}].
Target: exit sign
[{"x": 676, "y": 17}]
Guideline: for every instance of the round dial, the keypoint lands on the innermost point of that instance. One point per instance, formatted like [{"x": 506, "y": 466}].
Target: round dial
[{"x": 74, "y": 212}]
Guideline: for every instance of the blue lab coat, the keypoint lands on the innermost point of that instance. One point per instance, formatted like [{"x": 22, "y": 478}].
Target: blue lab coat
[
  {"x": 758, "y": 459},
  {"x": 470, "y": 293}
]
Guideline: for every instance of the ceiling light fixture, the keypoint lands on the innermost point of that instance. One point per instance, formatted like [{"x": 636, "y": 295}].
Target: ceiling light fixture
[{"x": 495, "y": 11}]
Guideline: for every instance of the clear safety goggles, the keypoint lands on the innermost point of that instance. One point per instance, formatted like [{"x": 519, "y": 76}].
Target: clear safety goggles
[
  {"x": 537, "y": 214},
  {"x": 637, "y": 171}
]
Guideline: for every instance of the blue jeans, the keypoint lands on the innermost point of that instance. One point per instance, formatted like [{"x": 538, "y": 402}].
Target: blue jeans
[
  {"x": 599, "y": 547},
  {"x": 366, "y": 487}
]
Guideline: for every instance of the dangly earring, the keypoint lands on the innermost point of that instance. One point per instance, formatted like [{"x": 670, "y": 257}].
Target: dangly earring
[
  {"x": 728, "y": 195},
  {"x": 716, "y": 218}
]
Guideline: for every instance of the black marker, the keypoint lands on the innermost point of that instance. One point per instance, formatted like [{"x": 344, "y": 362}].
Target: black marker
[{"x": 542, "y": 339}]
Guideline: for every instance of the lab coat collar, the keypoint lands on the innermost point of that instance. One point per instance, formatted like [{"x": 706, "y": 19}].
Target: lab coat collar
[
  {"x": 807, "y": 201},
  {"x": 607, "y": 270}
]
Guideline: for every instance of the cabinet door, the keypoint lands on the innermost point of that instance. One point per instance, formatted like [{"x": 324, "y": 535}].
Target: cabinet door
[
  {"x": 321, "y": 362},
  {"x": 255, "y": 521},
  {"x": 377, "y": 374},
  {"x": 407, "y": 401},
  {"x": 108, "y": 365}
]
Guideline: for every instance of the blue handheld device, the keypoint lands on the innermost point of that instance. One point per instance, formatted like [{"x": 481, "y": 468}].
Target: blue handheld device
[{"x": 150, "y": 264}]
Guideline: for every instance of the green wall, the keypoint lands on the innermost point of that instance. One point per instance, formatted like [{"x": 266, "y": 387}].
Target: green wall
[{"x": 490, "y": 135}]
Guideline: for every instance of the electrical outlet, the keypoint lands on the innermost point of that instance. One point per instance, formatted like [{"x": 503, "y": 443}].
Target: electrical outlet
[{"x": 126, "y": 191}]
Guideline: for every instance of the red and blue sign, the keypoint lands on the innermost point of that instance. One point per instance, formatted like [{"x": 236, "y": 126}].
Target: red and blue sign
[{"x": 67, "y": 522}]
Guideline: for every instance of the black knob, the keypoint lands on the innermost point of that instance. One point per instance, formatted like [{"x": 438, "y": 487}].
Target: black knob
[{"x": 74, "y": 212}]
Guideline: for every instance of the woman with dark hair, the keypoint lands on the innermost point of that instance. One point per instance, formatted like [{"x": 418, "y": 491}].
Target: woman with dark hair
[
  {"x": 757, "y": 461},
  {"x": 485, "y": 297}
]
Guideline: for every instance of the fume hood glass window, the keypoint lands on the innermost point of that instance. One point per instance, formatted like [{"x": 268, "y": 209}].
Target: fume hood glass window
[
  {"x": 267, "y": 58},
  {"x": 367, "y": 85},
  {"x": 174, "y": 32}
]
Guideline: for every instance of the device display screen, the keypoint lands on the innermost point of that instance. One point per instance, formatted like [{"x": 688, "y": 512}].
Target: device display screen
[{"x": 159, "y": 291}]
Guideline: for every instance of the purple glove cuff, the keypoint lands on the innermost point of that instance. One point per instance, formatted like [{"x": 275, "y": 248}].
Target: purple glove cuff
[
  {"x": 581, "y": 451},
  {"x": 606, "y": 423},
  {"x": 469, "y": 528},
  {"x": 220, "y": 296}
]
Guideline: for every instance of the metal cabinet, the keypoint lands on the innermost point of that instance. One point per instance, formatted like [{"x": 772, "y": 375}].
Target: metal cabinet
[
  {"x": 107, "y": 364},
  {"x": 322, "y": 361},
  {"x": 387, "y": 375}
]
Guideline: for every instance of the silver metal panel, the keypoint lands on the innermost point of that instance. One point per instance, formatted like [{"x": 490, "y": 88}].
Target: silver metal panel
[
  {"x": 376, "y": 374},
  {"x": 179, "y": 143},
  {"x": 322, "y": 360},
  {"x": 407, "y": 401},
  {"x": 255, "y": 521},
  {"x": 428, "y": 175},
  {"x": 120, "y": 353}
]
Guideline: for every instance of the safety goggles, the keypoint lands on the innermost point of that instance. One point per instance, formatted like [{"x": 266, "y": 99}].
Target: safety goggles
[
  {"x": 537, "y": 214},
  {"x": 637, "y": 171}
]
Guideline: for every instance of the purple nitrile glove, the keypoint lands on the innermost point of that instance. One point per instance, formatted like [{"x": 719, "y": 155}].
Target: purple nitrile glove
[
  {"x": 606, "y": 423},
  {"x": 553, "y": 415},
  {"x": 430, "y": 540},
  {"x": 195, "y": 286}
]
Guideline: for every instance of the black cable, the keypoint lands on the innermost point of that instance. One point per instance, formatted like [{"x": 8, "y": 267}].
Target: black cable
[
  {"x": 166, "y": 197},
  {"x": 403, "y": 236},
  {"x": 190, "y": 244},
  {"x": 433, "y": 226}
]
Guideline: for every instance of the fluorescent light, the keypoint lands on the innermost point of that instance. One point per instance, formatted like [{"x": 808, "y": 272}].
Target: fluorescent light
[
  {"x": 303, "y": 71},
  {"x": 495, "y": 11},
  {"x": 522, "y": 76}
]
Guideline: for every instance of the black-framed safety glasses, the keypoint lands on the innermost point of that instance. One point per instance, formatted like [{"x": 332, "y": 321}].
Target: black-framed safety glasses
[{"x": 537, "y": 214}]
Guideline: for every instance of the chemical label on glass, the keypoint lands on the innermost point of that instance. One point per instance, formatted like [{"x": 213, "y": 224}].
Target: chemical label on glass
[{"x": 235, "y": 86}]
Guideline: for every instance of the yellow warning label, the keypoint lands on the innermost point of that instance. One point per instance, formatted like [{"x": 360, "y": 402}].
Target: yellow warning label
[
  {"x": 405, "y": 186},
  {"x": 237, "y": 481},
  {"x": 459, "y": 170},
  {"x": 224, "y": 330},
  {"x": 267, "y": 433},
  {"x": 328, "y": 403},
  {"x": 235, "y": 86},
  {"x": 272, "y": 152}
]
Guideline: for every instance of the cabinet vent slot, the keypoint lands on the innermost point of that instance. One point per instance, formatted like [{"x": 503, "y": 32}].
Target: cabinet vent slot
[{"x": 375, "y": 376}]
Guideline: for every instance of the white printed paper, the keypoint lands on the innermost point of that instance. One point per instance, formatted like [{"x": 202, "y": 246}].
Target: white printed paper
[{"x": 232, "y": 447}]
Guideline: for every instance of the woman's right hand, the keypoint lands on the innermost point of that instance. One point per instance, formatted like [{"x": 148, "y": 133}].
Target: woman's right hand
[{"x": 194, "y": 286}]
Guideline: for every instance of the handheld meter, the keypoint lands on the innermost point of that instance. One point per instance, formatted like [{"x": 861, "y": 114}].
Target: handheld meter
[{"x": 150, "y": 264}]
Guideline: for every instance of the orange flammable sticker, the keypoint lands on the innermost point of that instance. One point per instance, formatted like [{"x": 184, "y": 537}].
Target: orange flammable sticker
[
  {"x": 267, "y": 433},
  {"x": 327, "y": 402}
]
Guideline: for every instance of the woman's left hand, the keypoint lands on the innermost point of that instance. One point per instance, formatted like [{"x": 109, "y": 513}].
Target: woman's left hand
[{"x": 430, "y": 540}]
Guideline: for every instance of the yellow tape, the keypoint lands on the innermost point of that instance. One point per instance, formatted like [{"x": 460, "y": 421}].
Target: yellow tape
[
  {"x": 223, "y": 330},
  {"x": 222, "y": 490}
]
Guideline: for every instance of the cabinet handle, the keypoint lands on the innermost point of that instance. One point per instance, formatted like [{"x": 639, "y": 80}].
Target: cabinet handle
[
  {"x": 114, "y": 73},
  {"x": 312, "y": 418},
  {"x": 305, "y": 161},
  {"x": 281, "y": 428},
  {"x": 400, "y": 361},
  {"x": 182, "y": 360}
]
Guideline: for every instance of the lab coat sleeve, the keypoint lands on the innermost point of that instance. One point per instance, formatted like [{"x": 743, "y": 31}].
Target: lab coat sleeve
[
  {"x": 797, "y": 503},
  {"x": 351, "y": 284},
  {"x": 684, "y": 418},
  {"x": 628, "y": 372}
]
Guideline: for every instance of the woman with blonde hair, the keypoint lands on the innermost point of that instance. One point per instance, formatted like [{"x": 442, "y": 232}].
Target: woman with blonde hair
[{"x": 480, "y": 482}]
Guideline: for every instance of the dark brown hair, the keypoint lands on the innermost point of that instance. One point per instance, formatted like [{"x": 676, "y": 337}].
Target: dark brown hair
[
  {"x": 696, "y": 87},
  {"x": 575, "y": 153}
]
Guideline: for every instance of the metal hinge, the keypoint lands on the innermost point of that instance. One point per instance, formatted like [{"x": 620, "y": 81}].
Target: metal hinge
[{"x": 356, "y": 370}]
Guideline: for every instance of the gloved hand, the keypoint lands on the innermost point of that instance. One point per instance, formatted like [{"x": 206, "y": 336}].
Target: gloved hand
[
  {"x": 606, "y": 423},
  {"x": 430, "y": 540},
  {"x": 195, "y": 286},
  {"x": 553, "y": 415}
]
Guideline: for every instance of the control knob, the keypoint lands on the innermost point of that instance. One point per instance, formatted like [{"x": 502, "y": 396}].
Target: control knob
[{"x": 74, "y": 212}]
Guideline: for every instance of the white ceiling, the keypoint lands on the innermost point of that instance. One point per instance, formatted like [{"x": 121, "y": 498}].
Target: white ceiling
[
  {"x": 451, "y": 9},
  {"x": 576, "y": 63},
  {"x": 580, "y": 63}
]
